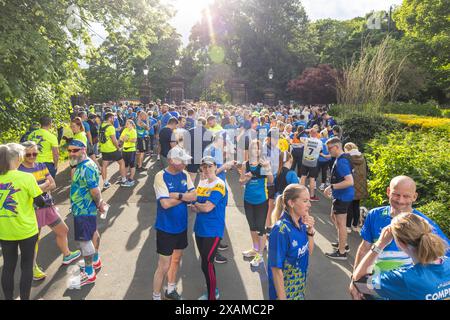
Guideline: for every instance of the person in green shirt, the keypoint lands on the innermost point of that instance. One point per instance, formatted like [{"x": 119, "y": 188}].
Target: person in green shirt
[
  {"x": 18, "y": 223},
  {"x": 109, "y": 147},
  {"x": 48, "y": 145},
  {"x": 129, "y": 138}
]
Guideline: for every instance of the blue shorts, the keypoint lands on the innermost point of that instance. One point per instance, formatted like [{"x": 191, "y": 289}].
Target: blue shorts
[{"x": 85, "y": 227}]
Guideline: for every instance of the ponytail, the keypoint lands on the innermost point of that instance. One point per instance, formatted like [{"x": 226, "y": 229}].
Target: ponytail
[
  {"x": 430, "y": 248},
  {"x": 416, "y": 232},
  {"x": 285, "y": 156},
  {"x": 279, "y": 207}
]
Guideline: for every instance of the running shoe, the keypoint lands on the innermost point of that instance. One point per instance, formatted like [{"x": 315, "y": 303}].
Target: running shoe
[
  {"x": 172, "y": 296},
  {"x": 38, "y": 274},
  {"x": 87, "y": 278},
  {"x": 257, "y": 260},
  {"x": 322, "y": 187},
  {"x": 336, "y": 245},
  {"x": 106, "y": 185},
  {"x": 74, "y": 255},
  {"x": 250, "y": 253},
  {"x": 220, "y": 259},
  {"x": 205, "y": 295},
  {"x": 97, "y": 265},
  {"x": 127, "y": 184},
  {"x": 356, "y": 229},
  {"x": 349, "y": 230},
  {"x": 336, "y": 255},
  {"x": 222, "y": 247},
  {"x": 315, "y": 198}
]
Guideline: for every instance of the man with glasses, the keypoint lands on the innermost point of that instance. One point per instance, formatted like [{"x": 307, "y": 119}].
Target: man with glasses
[
  {"x": 86, "y": 200},
  {"x": 342, "y": 192}
]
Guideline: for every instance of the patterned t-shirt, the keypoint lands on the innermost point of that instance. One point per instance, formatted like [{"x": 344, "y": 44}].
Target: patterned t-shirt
[
  {"x": 85, "y": 178},
  {"x": 17, "y": 216},
  {"x": 40, "y": 173},
  {"x": 289, "y": 251}
]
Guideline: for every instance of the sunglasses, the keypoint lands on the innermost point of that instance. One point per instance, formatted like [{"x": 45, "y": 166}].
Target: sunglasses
[
  {"x": 29, "y": 155},
  {"x": 74, "y": 150}
]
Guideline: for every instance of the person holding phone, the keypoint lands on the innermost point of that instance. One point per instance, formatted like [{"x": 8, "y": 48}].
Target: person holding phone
[
  {"x": 255, "y": 176},
  {"x": 428, "y": 278}
]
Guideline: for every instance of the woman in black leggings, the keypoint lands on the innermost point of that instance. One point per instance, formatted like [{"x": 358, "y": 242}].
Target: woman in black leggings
[
  {"x": 18, "y": 224},
  {"x": 210, "y": 222}
]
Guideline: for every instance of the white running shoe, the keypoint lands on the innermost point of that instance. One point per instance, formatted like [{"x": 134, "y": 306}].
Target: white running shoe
[
  {"x": 250, "y": 253},
  {"x": 349, "y": 230},
  {"x": 257, "y": 260},
  {"x": 322, "y": 187}
]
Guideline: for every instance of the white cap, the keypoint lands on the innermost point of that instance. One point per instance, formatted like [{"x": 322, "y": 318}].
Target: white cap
[{"x": 179, "y": 154}]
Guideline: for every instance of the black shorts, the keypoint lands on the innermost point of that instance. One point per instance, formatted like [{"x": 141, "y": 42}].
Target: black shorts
[
  {"x": 112, "y": 156},
  {"x": 256, "y": 215},
  {"x": 129, "y": 158},
  {"x": 309, "y": 172},
  {"x": 166, "y": 243},
  {"x": 271, "y": 192},
  {"x": 340, "y": 207},
  {"x": 141, "y": 145}
]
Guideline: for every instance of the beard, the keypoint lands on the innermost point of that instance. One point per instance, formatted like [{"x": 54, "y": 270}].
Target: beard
[{"x": 75, "y": 161}]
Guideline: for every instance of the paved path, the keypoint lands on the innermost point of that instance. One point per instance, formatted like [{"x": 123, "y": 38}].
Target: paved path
[{"x": 128, "y": 250}]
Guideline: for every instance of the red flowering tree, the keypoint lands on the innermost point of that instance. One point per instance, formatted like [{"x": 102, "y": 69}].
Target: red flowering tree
[{"x": 315, "y": 85}]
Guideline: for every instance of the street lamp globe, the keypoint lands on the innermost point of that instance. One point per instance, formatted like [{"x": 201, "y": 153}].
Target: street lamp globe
[
  {"x": 270, "y": 74},
  {"x": 177, "y": 62},
  {"x": 239, "y": 62},
  {"x": 145, "y": 70}
]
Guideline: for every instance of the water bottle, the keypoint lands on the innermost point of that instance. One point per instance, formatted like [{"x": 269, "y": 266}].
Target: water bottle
[
  {"x": 74, "y": 282},
  {"x": 104, "y": 214}
]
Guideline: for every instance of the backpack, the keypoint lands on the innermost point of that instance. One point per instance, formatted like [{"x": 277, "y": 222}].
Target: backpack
[{"x": 102, "y": 134}]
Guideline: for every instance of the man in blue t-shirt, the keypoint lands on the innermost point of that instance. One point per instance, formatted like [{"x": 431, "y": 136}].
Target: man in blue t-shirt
[
  {"x": 174, "y": 190},
  {"x": 342, "y": 191},
  {"x": 402, "y": 195}
]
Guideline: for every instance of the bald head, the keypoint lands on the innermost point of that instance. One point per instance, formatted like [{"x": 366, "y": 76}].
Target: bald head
[
  {"x": 403, "y": 182},
  {"x": 402, "y": 194}
]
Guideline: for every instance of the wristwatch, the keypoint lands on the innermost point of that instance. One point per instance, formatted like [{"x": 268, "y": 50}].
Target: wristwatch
[
  {"x": 376, "y": 249},
  {"x": 180, "y": 196}
]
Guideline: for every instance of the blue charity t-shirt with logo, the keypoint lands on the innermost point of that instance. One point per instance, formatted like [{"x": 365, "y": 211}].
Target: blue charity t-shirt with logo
[
  {"x": 417, "y": 282},
  {"x": 288, "y": 251},
  {"x": 152, "y": 123},
  {"x": 391, "y": 257},
  {"x": 211, "y": 224},
  {"x": 256, "y": 191},
  {"x": 175, "y": 219}
]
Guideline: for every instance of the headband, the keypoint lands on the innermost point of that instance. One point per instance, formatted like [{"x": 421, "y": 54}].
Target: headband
[{"x": 77, "y": 143}]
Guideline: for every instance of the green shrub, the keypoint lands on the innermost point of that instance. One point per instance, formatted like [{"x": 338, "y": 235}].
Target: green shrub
[
  {"x": 420, "y": 155},
  {"x": 360, "y": 128},
  {"x": 439, "y": 213},
  {"x": 446, "y": 113},
  {"x": 430, "y": 108}
]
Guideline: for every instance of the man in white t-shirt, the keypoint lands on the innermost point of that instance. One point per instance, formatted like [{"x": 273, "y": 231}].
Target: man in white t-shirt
[{"x": 310, "y": 168}]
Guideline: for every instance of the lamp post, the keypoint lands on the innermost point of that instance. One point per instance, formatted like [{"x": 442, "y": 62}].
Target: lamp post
[
  {"x": 145, "y": 88},
  {"x": 269, "y": 94}
]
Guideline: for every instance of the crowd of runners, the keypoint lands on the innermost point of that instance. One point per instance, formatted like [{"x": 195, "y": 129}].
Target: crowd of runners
[{"x": 284, "y": 155}]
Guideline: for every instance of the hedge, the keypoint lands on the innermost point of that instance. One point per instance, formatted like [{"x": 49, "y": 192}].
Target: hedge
[
  {"x": 426, "y": 123},
  {"x": 426, "y": 109}
]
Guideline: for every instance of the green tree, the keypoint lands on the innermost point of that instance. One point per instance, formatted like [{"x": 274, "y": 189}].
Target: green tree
[{"x": 427, "y": 21}]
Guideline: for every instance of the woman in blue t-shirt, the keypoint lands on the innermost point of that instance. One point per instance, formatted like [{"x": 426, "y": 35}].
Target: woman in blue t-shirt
[
  {"x": 429, "y": 276},
  {"x": 255, "y": 175},
  {"x": 285, "y": 175},
  {"x": 210, "y": 222},
  {"x": 291, "y": 242}
]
